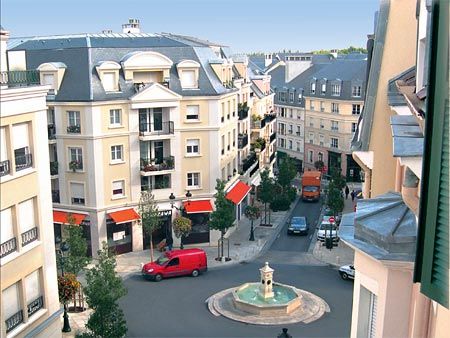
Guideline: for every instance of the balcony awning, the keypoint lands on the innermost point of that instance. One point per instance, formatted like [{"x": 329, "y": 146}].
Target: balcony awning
[
  {"x": 196, "y": 207},
  {"x": 124, "y": 216},
  {"x": 238, "y": 192},
  {"x": 61, "y": 217}
]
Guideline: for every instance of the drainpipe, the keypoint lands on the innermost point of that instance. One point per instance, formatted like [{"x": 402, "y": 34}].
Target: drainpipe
[
  {"x": 409, "y": 191},
  {"x": 399, "y": 174}
]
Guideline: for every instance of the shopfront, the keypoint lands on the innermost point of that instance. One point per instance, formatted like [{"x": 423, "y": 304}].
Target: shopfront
[
  {"x": 198, "y": 212},
  {"x": 163, "y": 232},
  {"x": 237, "y": 194},
  {"x": 119, "y": 230},
  {"x": 62, "y": 218}
]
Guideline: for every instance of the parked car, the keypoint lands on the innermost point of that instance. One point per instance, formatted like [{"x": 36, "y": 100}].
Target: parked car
[
  {"x": 324, "y": 230},
  {"x": 329, "y": 213},
  {"x": 347, "y": 272},
  {"x": 298, "y": 225},
  {"x": 176, "y": 263}
]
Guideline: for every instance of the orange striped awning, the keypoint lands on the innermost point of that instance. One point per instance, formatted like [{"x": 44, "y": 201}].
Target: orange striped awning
[
  {"x": 123, "y": 216},
  {"x": 196, "y": 207},
  {"x": 62, "y": 217},
  {"x": 238, "y": 192}
]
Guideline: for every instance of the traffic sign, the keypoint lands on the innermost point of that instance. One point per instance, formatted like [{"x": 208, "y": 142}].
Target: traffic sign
[{"x": 331, "y": 219}]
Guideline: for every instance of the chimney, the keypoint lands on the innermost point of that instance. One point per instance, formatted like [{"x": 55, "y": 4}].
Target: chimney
[
  {"x": 334, "y": 53},
  {"x": 107, "y": 31},
  {"x": 267, "y": 59},
  {"x": 4, "y": 37},
  {"x": 132, "y": 26},
  {"x": 295, "y": 65}
]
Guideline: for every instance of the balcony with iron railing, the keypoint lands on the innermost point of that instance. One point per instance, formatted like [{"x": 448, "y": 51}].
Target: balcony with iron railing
[
  {"x": 242, "y": 140},
  {"x": 20, "y": 78},
  {"x": 51, "y": 131},
  {"x": 151, "y": 165},
  {"x": 53, "y": 168},
  {"x": 156, "y": 129},
  {"x": 75, "y": 129},
  {"x": 254, "y": 170},
  {"x": 8, "y": 247},
  {"x": 248, "y": 162},
  {"x": 272, "y": 157},
  {"x": 141, "y": 85},
  {"x": 258, "y": 122},
  {"x": 29, "y": 236},
  {"x": 5, "y": 168},
  {"x": 14, "y": 321},
  {"x": 35, "y": 306},
  {"x": 243, "y": 110},
  {"x": 273, "y": 137},
  {"x": 23, "y": 161}
]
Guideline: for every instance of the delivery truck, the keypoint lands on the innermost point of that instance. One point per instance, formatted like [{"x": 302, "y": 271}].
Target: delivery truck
[{"x": 311, "y": 185}]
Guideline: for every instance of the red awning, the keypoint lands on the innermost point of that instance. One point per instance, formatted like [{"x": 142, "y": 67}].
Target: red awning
[
  {"x": 238, "y": 192},
  {"x": 123, "y": 216},
  {"x": 196, "y": 207},
  {"x": 61, "y": 217}
]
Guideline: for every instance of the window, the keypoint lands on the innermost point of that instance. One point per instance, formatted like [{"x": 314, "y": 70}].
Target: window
[
  {"x": 174, "y": 262},
  {"x": 282, "y": 96},
  {"x": 353, "y": 127},
  {"x": 281, "y": 142},
  {"x": 320, "y": 156},
  {"x": 229, "y": 141},
  {"x": 298, "y": 131},
  {"x": 12, "y": 308},
  {"x": 356, "y": 91},
  {"x": 311, "y": 105},
  {"x": 322, "y": 126},
  {"x": 300, "y": 96},
  {"x": 311, "y": 138},
  {"x": 321, "y": 140},
  {"x": 356, "y": 109},
  {"x": 193, "y": 147},
  {"x": 33, "y": 293},
  {"x": 223, "y": 145},
  {"x": 77, "y": 193},
  {"x": 283, "y": 112},
  {"x": 192, "y": 112},
  {"x": 27, "y": 221},
  {"x": 290, "y": 144},
  {"x": 116, "y": 153},
  {"x": 223, "y": 112},
  {"x": 188, "y": 79},
  {"x": 228, "y": 110},
  {"x": 75, "y": 159},
  {"x": 313, "y": 88},
  {"x": 310, "y": 156},
  {"x": 335, "y": 89},
  {"x": 290, "y": 112},
  {"x": 224, "y": 174},
  {"x": 335, "y": 107},
  {"x": 323, "y": 89},
  {"x": 109, "y": 81},
  {"x": 7, "y": 232},
  {"x": 49, "y": 80},
  {"x": 322, "y": 106},
  {"x": 334, "y": 125},
  {"x": 73, "y": 122},
  {"x": 115, "y": 117},
  {"x": 311, "y": 122},
  {"x": 193, "y": 180},
  {"x": 334, "y": 143},
  {"x": 118, "y": 188},
  {"x": 291, "y": 97},
  {"x": 290, "y": 129},
  {"x": 234, "y": 138},
  {"x": 21, "y": 145}
]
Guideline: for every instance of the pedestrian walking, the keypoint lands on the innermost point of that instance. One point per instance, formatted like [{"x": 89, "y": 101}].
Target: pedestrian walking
[
  {"x": 284, "y": 334},
  {"x": 353, "y": 195},
  {"x": 347, "y": 190}
]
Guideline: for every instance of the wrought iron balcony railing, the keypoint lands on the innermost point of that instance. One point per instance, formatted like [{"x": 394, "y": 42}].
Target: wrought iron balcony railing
[
  {"x": 149, "y": 128},
  {"x": 76, "y": 129},
  {"x": 23, "y": 161},
  {"x": 29, "y": 236},
  {"x": 248, "y": 162},
  {"x": 242, "y": 140},
  {"x": 151, "y": 164},
  {"x": 35, "y": 306},
  {"x": 20, "y": 78},
  {"x": 14, "y": 321},
  {"x": 8, "y": 247},
  {"x": 5, "y": 169}
]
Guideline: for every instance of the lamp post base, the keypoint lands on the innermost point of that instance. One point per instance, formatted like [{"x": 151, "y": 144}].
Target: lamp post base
[
  {"x": 252, "y": 233},
  {"x": 66, "y": 326}
]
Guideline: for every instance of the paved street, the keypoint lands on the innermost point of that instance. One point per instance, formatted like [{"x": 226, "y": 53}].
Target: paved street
[{"x": 176, "y": 307}]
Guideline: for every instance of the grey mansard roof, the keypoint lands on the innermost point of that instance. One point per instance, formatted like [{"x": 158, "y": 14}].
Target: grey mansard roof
[{"x": 82, "y": 53}]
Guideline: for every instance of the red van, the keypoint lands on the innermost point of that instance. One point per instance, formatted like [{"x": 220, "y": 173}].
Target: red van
[{"x": 176, "y": 263}]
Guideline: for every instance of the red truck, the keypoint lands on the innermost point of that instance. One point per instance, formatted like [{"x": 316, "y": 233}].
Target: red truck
[{"x": 311, "y": 185}]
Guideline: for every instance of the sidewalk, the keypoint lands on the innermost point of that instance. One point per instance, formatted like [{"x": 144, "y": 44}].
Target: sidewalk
[
  {"x": 341, "y": 254},
  {"x": 241, "y": 249}
]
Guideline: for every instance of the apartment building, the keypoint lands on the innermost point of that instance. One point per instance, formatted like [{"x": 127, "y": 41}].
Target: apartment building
[
  {"x": 318, "y": 100},
  {"x": 29, "y": 292},
  {"x": 134, "y": 111},
  {"x": 400, "y": 235}
]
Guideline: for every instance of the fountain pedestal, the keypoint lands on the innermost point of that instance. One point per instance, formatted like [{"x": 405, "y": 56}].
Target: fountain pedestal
[{"x": 266, "y": 281}]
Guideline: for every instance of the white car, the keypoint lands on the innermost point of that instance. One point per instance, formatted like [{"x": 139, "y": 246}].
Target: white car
[
  {"x": 324, "y": 230},
  {"x": 347, "y": 272}
]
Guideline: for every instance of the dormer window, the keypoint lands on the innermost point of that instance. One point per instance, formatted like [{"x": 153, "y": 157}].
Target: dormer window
[
  {"x": 188, "y": 71},
  {"x": 51, "y": 74},
  {"x": 313, "y": 88},
  {"x": 108, "y": 72}
]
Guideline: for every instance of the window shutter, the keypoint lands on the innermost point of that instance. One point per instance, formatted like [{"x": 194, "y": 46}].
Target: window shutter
[
  {"x": 6, "y": 227},
  {"x": 117, "y": 185},
  {"x": 77, "y": 190},
  {"x": 188, "y": 79},
  {"x": 11, "y": 303},
  {"x": 109, "y": 81},
  {"x": 26, "y": 215},
  {"x": 20, "y": 136},
  {"x": 32, "y": 287}
]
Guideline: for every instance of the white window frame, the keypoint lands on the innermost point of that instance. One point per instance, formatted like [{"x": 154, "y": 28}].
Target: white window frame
[
  {"x": 115, "y": 118},
  {"x": 354, "y": 126},
  {"x": 334, "y": 125},
  {"x": 118, "y": 185},
  {"x": 187, "y": 84},
  {"x": 313, "y": 88},
  {"x": 335, "y": 89},
  {"x": 82, "y": 200},
  {"x": 190, "y": 112},
  {"x": 194, "y": 179},
  {"x": 323, "y": 89},
  {"x": 191, "y": 144},
  {"x": 311, "y": 138},
  {"x": 311, "y": 104},
  {"x": 356, "y": 91},
  {"x": 78, "y": 152},
  {"x": 335, "y": 107},
  {"x": 117, "y": 153},
  {"x": 356, "y": 109},
  {"x": 291, "y": 97},
  {"x": 334, "y": 144},
  {"x": 73, "y": 118}
]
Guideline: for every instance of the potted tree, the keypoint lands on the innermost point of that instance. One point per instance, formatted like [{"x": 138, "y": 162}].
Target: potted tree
[{"x": 182, "y": 226}]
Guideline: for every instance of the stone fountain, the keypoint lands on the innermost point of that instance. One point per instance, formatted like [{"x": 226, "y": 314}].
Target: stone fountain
[{"x": 267, "y": 302}]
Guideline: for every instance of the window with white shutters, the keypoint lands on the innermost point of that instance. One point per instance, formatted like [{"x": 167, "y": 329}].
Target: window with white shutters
[
  {"x": 26, "y": 215},
  {"x": 188, "y": 79},
  {"x": 77, "y": 193},
  {"x": 192, "y": 112},
  {"x": 118, "y": 188},
  {"x": 11, "y": 301},
  {"x": 7, "y": 228}
]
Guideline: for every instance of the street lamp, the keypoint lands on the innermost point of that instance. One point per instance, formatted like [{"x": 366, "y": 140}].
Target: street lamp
[
  {"x": 172, "y": 200},
  {"x": 252, "y": 230},
  {"x": 63, "y": 248}
]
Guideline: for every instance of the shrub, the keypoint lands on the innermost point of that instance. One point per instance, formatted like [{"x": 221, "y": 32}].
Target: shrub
[
  {"x": 291, "y": 193},
  {"x": 280, "y": 203}
]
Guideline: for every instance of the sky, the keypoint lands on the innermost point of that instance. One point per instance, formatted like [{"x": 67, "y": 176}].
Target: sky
[{"x": 244, "y": 25}]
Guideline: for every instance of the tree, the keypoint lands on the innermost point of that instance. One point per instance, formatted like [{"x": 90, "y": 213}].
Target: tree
[
  {"x": 182, "y": 226},
  {"x": 252, "y": 213},
  {"x": 104, "y": 288},
  {"x": 223, "y": 217},
  {"x": 77, "y": 258},
  {"x": 150, "y": 219},
  {"x": 266, "y": 192},
  {"x": 337, "y": 179},
  {"x": 335, "y": 200},
  {"x": 286, "y": 172}
]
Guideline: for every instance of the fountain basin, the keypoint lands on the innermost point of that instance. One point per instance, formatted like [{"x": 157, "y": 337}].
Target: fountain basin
[{"x": 247, "y": 298}]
